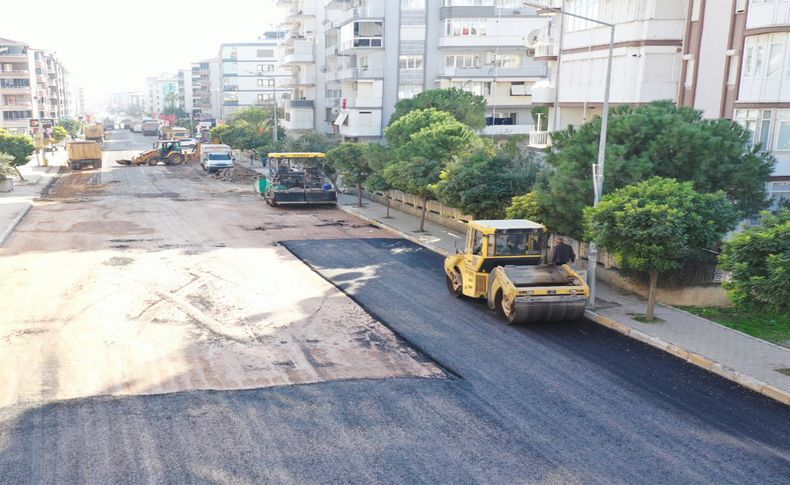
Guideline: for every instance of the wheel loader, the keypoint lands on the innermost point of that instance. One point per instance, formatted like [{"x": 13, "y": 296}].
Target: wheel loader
[
  {"x": 503, "y": 261},
  {"x": 167, "y": 151}
]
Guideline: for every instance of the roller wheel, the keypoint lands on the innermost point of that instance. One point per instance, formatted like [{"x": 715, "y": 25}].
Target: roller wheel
[
  {"x": 176, "y": 158},
  {"x": 455, "y": 284},
  {"x": 511, "y": 315}
]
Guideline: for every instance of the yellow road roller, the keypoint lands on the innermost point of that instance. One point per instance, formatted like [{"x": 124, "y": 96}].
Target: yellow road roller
[{"x": 503, "y": 261}]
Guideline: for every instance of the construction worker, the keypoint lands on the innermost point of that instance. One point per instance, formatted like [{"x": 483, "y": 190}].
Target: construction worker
[{"x": 563, "y": 253}]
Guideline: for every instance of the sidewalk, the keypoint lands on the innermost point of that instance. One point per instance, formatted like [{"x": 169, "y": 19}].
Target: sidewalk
[
  {"x": 749, "y": 361},
  {"x": 14, "y": 205}
]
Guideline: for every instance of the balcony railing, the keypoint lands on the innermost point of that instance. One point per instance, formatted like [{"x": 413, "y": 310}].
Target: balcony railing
[
  {"x": 230, "y": 87},
  {"x": 540, "y": 139},
  {"x": 545, "y": 50},
  {"x": 300, "y": 103},
  {"x": 360, "y": 73},
  {"x": 360, "y": 13},
  {"x": 15, "y": 73},
  {"x": 363, "y": 43}
]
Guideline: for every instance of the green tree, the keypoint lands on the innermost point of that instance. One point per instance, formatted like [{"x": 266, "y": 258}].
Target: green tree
[
  {"x": 379, "y": 157},
  {"x": 59, "y": 134},
  {"x": 19, "y": 147},
  {"x": 425, "y": 141},
  {"x": 351, "y": 163},
  {"x": 524, "y": 207},
  {"x": 312, "y": 141},
  {"x": 657, "y": 225},
  {"x": 658, "y": 139},
  {"x": 468, "y": 108},
  {"x": 72, "y": 126},
  {"x": 171, "y": 103},
  {"x": 759, "y": 260},
  {"x": 483, "y": 185}
]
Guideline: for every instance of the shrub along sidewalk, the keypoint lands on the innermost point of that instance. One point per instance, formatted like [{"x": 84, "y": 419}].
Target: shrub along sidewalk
[{"x": 771, "y": 327}]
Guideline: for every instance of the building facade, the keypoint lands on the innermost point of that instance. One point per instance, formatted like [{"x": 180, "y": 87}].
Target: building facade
[
  {"x": 33, "y": 85},
  {"x": 737, "y": 66},
  {"x": 161, "y": 95},
  {"x": 353, "y": 61},
  {"x": 251, "y": 74}
]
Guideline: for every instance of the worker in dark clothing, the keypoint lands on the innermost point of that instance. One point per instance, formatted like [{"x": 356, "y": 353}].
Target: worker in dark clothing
[{"x": 563, "y": 253}]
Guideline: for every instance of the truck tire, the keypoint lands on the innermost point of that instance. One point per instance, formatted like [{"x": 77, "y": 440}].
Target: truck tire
[{"x": 153, "y": 161}]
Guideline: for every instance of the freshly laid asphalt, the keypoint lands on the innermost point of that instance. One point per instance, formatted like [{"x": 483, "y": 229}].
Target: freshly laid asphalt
[{"x": 552, "y": 403}]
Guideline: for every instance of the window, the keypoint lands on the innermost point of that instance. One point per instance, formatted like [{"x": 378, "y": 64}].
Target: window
[
  {"x": 406, "y": 91},
  {"x": 263, "y": 83},
  {"x": 748, "y": 120},
  {"x": 265, "y": 97},
  {"x": 765, "y": 128},
  {"x": 477, "y": 243},
  {"x": 411, "y": 63},
  {"x": 780, "y": 191},
  {"x": 465, "y": 27},
  {"x": 412, "y": 5},
  {"x": 463, "y": 61},
  {"x": 481, "y": 88},
  {"x": 363, "y": 62},
  {"x": 412, "y": 32},
  {"x": 783, "y": 130},
  {"x": 775, "y": 54},
  {"x": 265, "y": 53},
  {"x": 507, "y": 60}
]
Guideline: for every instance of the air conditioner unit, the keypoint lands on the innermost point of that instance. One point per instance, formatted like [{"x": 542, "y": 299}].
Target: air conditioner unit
[{"x": 530, "y": 52}]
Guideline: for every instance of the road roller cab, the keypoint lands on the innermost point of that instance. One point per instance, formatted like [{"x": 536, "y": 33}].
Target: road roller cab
[{"x": 504, "y": 262}]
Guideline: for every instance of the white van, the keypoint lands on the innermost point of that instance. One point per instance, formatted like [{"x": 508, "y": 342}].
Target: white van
[{"x": 215, "y": 157}]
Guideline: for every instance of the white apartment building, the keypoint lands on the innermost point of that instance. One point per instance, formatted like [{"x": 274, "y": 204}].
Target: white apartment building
[
  {"x": 205, "y": 89},
  {"x": 353, "y": 60},
  {"x": 161, "y": 95},
  {"x": 251, "y": 74},
  {"x": 646, "y": 58},
  {"x": 737, "y": 66},
  {"x": 33, "y": 85}
]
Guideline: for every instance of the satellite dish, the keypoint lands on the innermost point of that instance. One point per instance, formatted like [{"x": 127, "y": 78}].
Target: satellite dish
[
  {"x": 324, "y": 69},
  {"x": 533, "y": 38}
]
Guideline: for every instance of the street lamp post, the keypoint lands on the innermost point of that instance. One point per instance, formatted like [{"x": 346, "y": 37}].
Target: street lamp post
[{"x": 597, "y": 168}]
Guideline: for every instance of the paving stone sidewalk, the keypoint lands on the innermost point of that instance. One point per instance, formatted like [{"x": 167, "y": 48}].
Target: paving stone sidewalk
[
  {"x": 14, "y": 205},
  {"x": 749, "y": 361}
]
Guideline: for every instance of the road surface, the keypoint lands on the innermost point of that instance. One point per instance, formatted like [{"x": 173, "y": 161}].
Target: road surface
[{"x": 157, "y": 329}]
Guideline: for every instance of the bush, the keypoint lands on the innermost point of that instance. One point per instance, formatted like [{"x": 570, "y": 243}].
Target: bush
[
  {"x": 759, "y": 260},
  {"x": 525, "y": 207}
]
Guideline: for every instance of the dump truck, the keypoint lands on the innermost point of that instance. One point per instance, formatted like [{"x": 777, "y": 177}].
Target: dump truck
[
  {"x": 296, "y": 179},
  {"x": 503, "y": 261},
  {"x": 94, "y": 133},
  {"x": 83, "y": 153},
  {"x": 175, "y": 133},
  {"x": 166, "y": 151}
]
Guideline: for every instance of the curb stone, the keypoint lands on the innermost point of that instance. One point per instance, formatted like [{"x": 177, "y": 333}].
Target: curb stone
[{"x": 701, "y": 361}]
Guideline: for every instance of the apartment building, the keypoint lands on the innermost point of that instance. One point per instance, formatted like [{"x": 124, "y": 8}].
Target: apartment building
[
  {"x": 33, "y": 85},
  {"x": 161, "y": 94},
  {"x": 646, "y": 58},
  {"x": 251, "y": 74},
  {"x": 184, "y": 82},
  {"x": 353, "y": 60},
  {"x": 205, "y": 89},
  {"x": 736, "y": 65}
]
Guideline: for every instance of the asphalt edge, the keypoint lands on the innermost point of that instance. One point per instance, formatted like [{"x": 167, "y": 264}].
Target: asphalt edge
[
  {"x": 27, "y": 208},
  {"x": 694, "y": 358}
]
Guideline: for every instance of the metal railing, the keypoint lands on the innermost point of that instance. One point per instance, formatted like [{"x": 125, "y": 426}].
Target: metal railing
[
  {"x": 540, "y": 138},
  {"x": 545, "y": 49}
]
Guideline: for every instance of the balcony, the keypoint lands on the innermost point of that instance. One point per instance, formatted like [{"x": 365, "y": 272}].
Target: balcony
[
  {"x": 359, "y": 13},
  {"x": 302, "y": 53},
  {"x": 540, "y": 139},
  {"x": 361, "y": 103},
  {"x": 230, "y": 87},
  {"x": 492, "y": 41},
  {"x": 543, "y": 93},
  {"x": 18, "y": 105},
  {"x": 546, "y": 51},
  {"x": 331, "y": 50},
  {"x": 362, "y": 43},
  {"x": 12, "y": 57},
  {"x": 508, "y": 129},
  {"x": 14, "y": 89},
  {"x": 360, "y": 73},
  {"x": 533, "y": 71},
  {"x": 296, "y": 81},
  {"x": 298, "y": 103},
  {"x": 16, "y": 73},
  {"x": 355, "y": 131},
  {"x": 298, "y": 125}
]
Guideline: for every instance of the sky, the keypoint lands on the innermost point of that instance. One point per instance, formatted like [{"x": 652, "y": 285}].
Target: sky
[{"x": 111, "y": 46}]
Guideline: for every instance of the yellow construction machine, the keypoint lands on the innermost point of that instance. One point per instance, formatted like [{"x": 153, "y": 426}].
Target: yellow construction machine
[
  {"x": 503, "y": 261},
  {"x": 168, "y": 152}
]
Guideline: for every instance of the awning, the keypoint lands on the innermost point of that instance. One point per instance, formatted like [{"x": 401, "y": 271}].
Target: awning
[{"x": 341, "y": 118}]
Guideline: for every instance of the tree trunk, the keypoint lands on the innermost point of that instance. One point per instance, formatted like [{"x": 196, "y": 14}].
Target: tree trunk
[
  {"x": 19, "y": 173},
  {"x": 424, "y": 211},
  {"x": 651, "y": 295},
  {"x": 359, "y": 195},
  {"x": 387, "y": 196}
]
